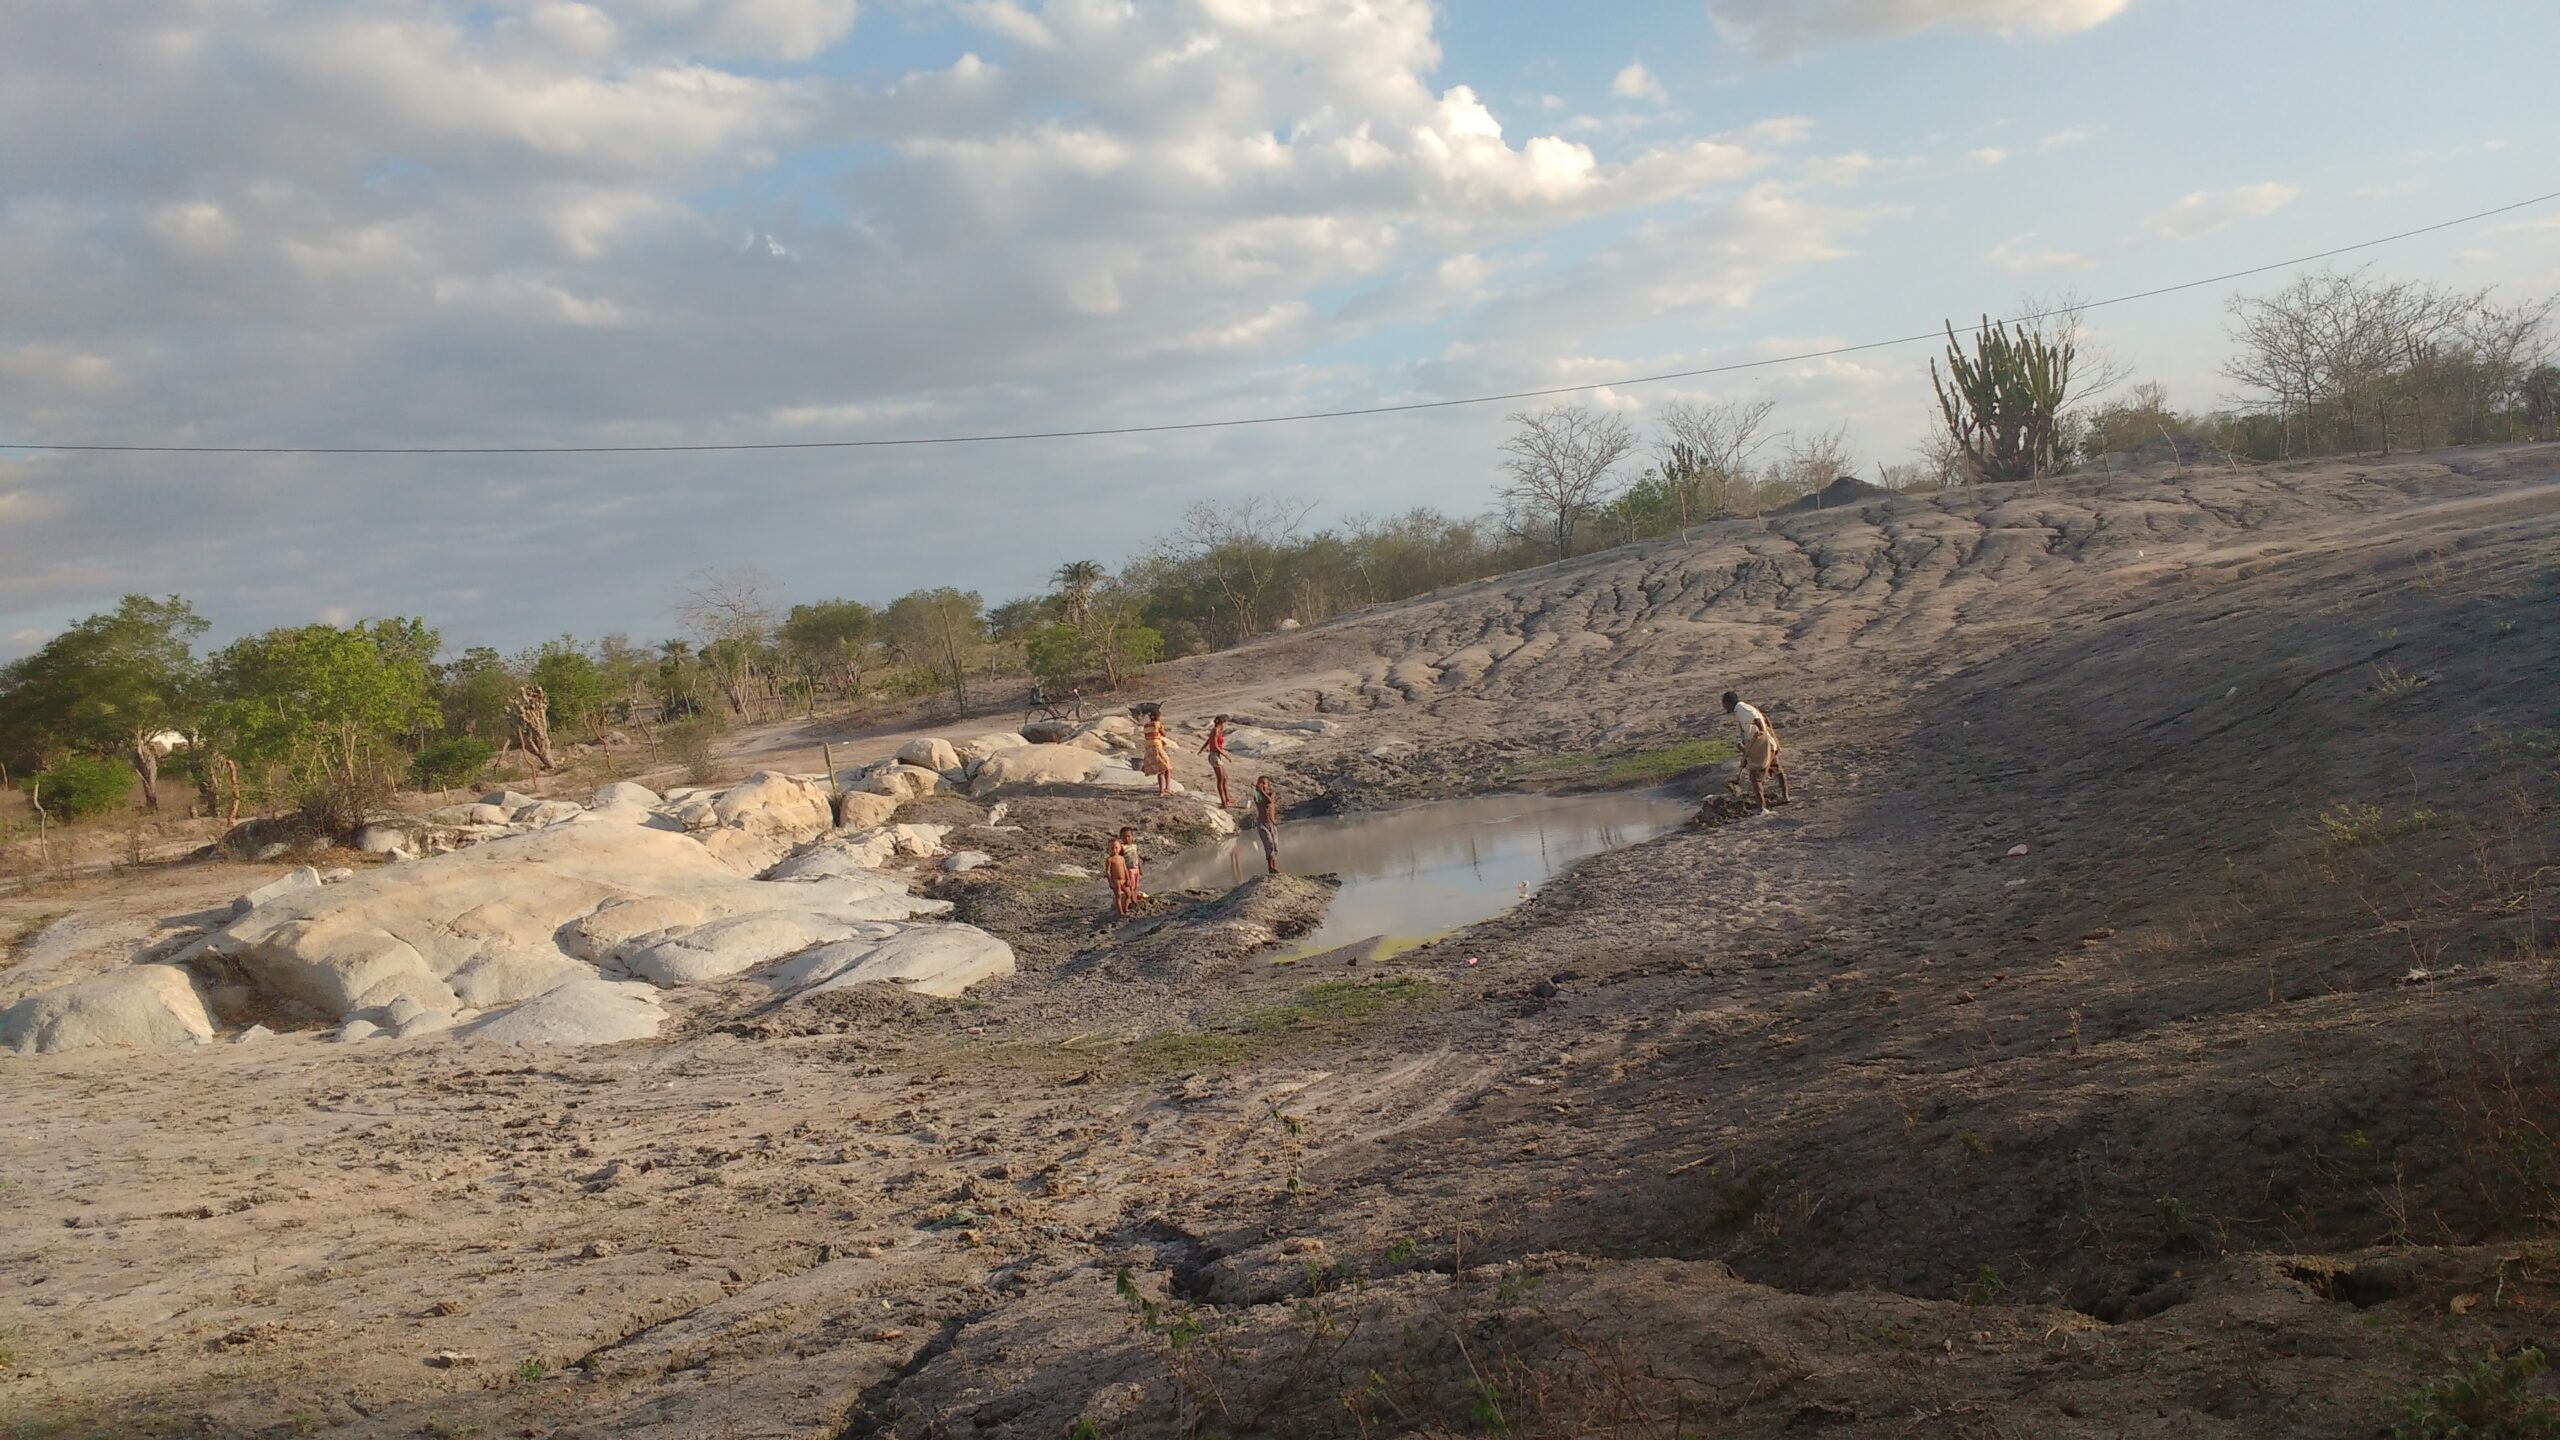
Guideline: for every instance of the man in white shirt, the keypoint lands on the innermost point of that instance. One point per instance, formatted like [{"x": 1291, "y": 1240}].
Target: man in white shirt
[{"x": 1759, "y": 753}]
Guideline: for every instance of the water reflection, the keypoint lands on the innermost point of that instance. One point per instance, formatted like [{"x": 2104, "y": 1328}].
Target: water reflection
[{"x": 1428, "y": 868}]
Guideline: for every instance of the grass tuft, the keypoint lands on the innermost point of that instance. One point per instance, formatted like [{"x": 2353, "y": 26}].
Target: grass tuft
[
  {"x": 1624, "y": 767},
  {"x": 1327, "y": 1007}
]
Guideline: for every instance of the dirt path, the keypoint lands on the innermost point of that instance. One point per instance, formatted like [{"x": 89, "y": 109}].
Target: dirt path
[{"x": 1845, "y": 1121}]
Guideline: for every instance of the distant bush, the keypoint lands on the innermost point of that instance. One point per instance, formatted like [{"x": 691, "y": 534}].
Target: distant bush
[
  {"x": 450, "y": 762},
  {"x": 690, "y": 743},
  {"x": 335, "y": 799},
  {"x": 79, "y": 786}
]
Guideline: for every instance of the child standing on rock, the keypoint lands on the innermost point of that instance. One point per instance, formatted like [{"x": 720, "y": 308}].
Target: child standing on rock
[
  {"x": 1266, "y": 822},
  {"x": 1215, "y": 747},
  {"x": 1133, "y": 875},
  {"x": 1159, "y": 753}
]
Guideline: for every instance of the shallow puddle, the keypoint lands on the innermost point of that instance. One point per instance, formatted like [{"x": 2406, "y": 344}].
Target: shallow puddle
[{"x": 1423, "y": 870}]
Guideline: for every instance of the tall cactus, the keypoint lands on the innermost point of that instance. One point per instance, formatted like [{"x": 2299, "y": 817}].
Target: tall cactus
[{"x": 2003, "y": 403}]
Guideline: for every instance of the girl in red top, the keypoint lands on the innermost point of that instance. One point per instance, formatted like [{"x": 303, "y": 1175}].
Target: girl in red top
[{"x": 1215, "y": 747}]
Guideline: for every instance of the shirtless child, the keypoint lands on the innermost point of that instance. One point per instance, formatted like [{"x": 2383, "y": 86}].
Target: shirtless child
[{"x": 1116, "y": 871}]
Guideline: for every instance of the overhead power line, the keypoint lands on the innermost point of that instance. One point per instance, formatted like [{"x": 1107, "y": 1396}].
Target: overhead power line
[{"x": 1178, "y": 426}]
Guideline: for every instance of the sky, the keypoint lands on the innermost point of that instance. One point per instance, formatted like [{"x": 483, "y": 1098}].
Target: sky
[{"x": 541, "y": 222}]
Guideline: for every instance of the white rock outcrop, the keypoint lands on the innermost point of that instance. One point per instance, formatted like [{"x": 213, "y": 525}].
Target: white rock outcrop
[
  {"x": 1035, "y": 765},
  {"x": 937, "y": 960},
  {"x": 974, "y": 752},
  {"x": 862, "y": 810},
  {"x": 140, "y": 1005},
  {"x": 897, "y": 781},
  {"x": 624, "y": 792},
  {"x": 838, "y": 857},
  {"x": 562, "y": 929},
  {"x": 785, "y": 803},
  {"x": 290, "y": 883},
  {"x": 929, "y": 754}
]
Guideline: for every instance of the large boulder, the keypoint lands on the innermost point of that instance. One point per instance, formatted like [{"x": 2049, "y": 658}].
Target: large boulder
[
  {"x": 1025, "y": 765},
  {"x": 512, "y": 974},
  {"x": 937, "y": 960},
  {"x": 586, "y": 1011},
  {"x": 770, "y": 801},
  {"x": 973, "y": 752},
  {"x": 337, "y": 963},
  {"x": 1254, "y": 741},
  {"x": 749, "y": 851},
  {"x": 548, "y": 812},
  {"x": 918, "y": 840},
  {"x": 1107, "y": 734},
  {"x": 735, "y": 945},
  {"x": 898, "y": 781},
  {"x": 381, "y": 839},
  {"x": 929, "y": 754},
  {"x": 292, "y": 882},
  {"x": 838, "y": 858},
  {"x": 135, "y": 1006},
  {"x": 624, "y": 792},
  {"x": 465, "y": 816},
  {"x": 862, "y": 810}
]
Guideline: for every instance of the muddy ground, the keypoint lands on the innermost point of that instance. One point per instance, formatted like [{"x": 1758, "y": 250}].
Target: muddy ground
[{"x": 2226, "y": 1109}]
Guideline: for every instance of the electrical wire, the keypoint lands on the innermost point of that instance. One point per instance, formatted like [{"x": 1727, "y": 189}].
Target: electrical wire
[{"x": 1178, "y": 426}]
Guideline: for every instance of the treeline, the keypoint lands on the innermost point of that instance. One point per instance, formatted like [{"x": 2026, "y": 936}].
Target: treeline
[{"x": 330, "y": 718}]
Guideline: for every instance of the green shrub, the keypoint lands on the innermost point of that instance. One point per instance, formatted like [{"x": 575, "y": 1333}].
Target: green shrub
[
  {"x": 80, "y": 785},
  {"x": 2488, "y": 1401},
  {"x": 452, "y": 761}
]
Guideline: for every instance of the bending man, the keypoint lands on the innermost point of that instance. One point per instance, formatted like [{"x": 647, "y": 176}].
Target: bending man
[{"x": 1759, "y": 753}]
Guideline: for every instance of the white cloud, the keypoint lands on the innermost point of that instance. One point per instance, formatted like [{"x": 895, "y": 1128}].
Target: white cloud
[
  {"x": 2020, "y": 256},
  {"x": 1637, "y": 83},
  {"x": 1785, "y": 29},
  {"x": 2202, "y": 212},
  {"x": 1987, "y": 155},
  {"x": 406, "y": 221},
  {"x": 2065, "y": 138}
]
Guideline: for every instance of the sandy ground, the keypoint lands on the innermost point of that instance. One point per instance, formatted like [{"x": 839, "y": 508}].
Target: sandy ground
[{"x": 2225, "y": 1110}]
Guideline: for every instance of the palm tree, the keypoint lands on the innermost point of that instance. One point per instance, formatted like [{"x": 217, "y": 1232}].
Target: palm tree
[{"x": 1076, "y": 581}]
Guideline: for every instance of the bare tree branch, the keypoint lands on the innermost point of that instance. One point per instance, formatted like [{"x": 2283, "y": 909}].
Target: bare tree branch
[{"x": 1560, "y": 465}]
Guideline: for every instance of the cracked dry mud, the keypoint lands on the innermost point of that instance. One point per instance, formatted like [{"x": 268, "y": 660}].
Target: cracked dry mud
[{"x": 1841, "y": 1122}]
